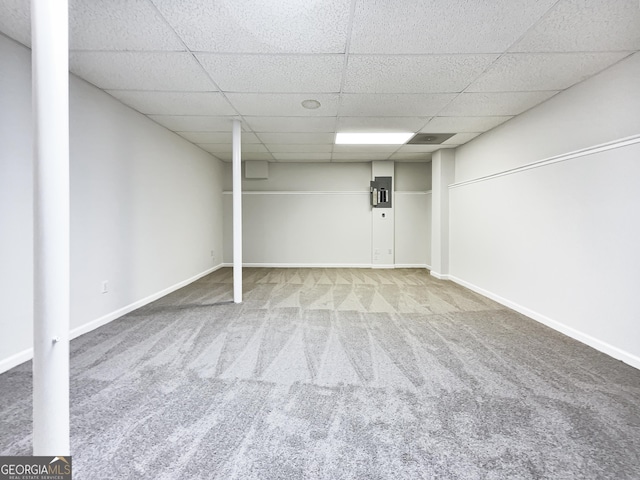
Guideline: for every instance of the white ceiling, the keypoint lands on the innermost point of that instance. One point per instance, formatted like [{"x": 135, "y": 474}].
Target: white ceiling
[{"x": 434, "y": 66}]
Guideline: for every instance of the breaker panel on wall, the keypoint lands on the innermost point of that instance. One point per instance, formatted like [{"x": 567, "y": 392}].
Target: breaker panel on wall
[{"x": 381, "y": 192}]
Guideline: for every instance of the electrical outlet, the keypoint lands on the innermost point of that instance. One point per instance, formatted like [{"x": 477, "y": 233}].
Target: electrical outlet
[
  {"x": 213, "y": 255},
  {"x": 105, "y": 286}
]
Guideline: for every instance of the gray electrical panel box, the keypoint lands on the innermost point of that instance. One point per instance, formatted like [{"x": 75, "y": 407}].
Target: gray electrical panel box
[{"x": 381, "y": 192}]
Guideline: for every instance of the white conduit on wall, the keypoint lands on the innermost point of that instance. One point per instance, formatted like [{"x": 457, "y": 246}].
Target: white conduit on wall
[{"x": 50, "y": 72}]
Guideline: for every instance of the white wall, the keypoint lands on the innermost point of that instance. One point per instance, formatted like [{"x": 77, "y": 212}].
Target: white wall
[
  {"x": 305, "y": 214},
  {"x": 413, "y": 214},
  {"x": 146, "y": 207},
  {"x": 318, "y": 214},
  {"x": 16, "y": 200},
  {"x": 558, "y": 242}
]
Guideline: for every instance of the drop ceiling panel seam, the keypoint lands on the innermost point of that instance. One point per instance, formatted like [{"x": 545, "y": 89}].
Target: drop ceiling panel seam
[
  {"x": 199, "y": 63},
  {"x": 196, "y": 65}
]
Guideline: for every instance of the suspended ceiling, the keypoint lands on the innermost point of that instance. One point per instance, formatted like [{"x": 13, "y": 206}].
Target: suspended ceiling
[{"x": 435, "y": 66}]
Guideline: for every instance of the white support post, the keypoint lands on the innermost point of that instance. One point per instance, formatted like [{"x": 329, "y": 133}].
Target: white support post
[
  {"x": 442, "y": 173},
  {"x": 237, "y": 214},
  {"x": 50, "y": 91}
]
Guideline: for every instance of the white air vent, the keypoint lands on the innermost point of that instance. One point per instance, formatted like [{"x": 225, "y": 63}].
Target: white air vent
[{"x": 429, "y": 138}]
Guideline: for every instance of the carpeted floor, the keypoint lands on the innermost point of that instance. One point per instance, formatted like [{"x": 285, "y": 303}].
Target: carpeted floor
[{"x": 337, "y": 374}]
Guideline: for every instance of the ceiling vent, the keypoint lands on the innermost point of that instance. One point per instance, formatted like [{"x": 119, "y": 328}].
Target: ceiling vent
[{"x": 429, "y": 138}]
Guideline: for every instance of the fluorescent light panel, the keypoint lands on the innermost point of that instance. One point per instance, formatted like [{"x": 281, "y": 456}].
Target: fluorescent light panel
[{"x": 382, "y": 138}]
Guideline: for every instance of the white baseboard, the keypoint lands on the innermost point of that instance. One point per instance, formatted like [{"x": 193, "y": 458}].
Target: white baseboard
[
  {"x": 593, "y": 342},
  {"x": 15, "y": 360},
  {"x": 87, "y": 327},
  {"x": 27, "y": 354},
  {"x": 329, "y": 265},
  {"x": 441, "y": 276},
  {"x": 302, "y": 265}
]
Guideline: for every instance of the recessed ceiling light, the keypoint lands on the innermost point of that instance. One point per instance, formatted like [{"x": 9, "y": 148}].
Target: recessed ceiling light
[
  {"x": 311, "y": 104},
  {"x": 382, "y": 138}
]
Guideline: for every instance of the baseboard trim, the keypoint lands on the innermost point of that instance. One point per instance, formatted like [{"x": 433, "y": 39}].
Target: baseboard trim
[
  {"x": 99, "y": 322},
  {"x": 329, "y": 265},
  {"x": 302, "y": 265},
  {"x": 582, "y": 337},
  {"x": 27, "y": 354},
  {"x": 440, "y": 276},
  {"x": 15, "y": 360}
]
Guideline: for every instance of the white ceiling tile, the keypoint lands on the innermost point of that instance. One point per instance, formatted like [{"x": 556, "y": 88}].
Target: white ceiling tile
[
  {"x": 463, "y": 124},
  {"x": 227, "y": 157},
  {"x": 274, "y": 73},
  {"x": 261, "y": 26},
  {"x": 15, "y": 20},
  {"x": 194, "y": 123},
  {"x": 435, "y": 26},
  {"x": 460, "y": 138},
  {"x": 132, "y": 25},
  {"x": 381, "y": 149},
  {"x": 413, "y": 73},
  {"x": 418, "y": 148},
  {"x": 141, "y": 71},
  {"x": 217, "y": 137},
  {"x": 389, "y": 105},
  {"x": 216, "y": 148},
  {"x": 308, "y": 156},
  {"x": 302, "y": 148},
  {"x": 585, "y": 25},
  {"x": 487, "y": 104},
  {"x": 291, "y": 124},
  {"x": 175, "y": 103},
  {"x": 283, "y": 104},
  {"x": 381, "y": 124},
  {"x": 360, "y": 156},
  {"x": 297, "y": 138},
  {"x": 411, "y": 157},
  {"x": 519, "y": 72}
]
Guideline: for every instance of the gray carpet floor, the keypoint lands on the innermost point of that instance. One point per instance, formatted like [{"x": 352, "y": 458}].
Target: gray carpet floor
[{"x": 337, "y": 374}]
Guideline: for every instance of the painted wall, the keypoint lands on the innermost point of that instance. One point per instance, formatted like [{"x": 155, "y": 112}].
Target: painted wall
[
  {"x": 318, "y": 214},
  {"x": 559, "y": 242},
  {"x": 16, "y": 201},
  {"x": 413, "y": 214},
  {"x": 146, "y": 207},
  {"x": 413, "y": 229}
]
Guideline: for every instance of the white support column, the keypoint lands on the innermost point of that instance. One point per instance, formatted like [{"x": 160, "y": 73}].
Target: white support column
[
  {"x": 50, "y": 72},
  {"x": 237, "y": 214},
  {"x": 443, "y": 170}
]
